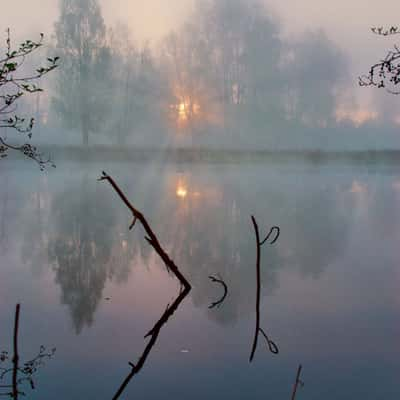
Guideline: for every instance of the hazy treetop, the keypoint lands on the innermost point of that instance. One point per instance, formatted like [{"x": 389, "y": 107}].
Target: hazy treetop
[{"x": 346, "y": 23}]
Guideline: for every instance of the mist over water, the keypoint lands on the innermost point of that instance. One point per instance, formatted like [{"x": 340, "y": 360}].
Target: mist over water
[
  {"x": 203, "y": 113},
  {"x": 93, "y": 289}
]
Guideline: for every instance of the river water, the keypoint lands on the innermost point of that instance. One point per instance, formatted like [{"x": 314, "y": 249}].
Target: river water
[{"x": 92, "y": 289}]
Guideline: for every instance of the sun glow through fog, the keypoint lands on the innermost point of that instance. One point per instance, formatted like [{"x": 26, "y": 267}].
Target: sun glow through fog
[{"x": 181, "y": 191}]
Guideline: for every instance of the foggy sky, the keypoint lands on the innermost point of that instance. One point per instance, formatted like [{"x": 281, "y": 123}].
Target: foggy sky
[{"x": 346, "y": 22}]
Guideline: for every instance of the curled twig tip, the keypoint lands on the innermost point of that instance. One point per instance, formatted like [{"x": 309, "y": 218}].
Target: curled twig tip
[
  {"x": 278, "y": 232},
  {"x": 224, "y": 285}
]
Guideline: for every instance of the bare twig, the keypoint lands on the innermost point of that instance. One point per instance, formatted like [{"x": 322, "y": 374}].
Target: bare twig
[
  {"x": 21, "y": 372},
  {"x": 272, "y": 346},
  {"x": 380, "y": 30},
  {"x": 297, "y": 382},
  {"x": 220, "y": 301},
  {"x": 386, "y": 72},
  {"x": 15, "y": 356},
  {"x": 171, "y": 267}
]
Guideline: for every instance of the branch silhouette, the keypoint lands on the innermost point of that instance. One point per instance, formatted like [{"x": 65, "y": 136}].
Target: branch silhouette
[
  {"x": 171, "y": 267},
  {"x": 151, "y": 237},
  {"x": 28, "y": 368},
  {"x": 385, "y": 73},
  {"x": 16, "y": 84},
  {"x": 380, "y": 30},
  {"x": 297, "y": 382},
  {"x": 15, "y": 356},
  {"x": 220, "y": 301},
  {"x": 271, "y": 345}
]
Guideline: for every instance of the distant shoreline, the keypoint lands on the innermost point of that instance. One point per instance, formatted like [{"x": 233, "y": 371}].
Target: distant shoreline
[{"x": 98, "y": 153}]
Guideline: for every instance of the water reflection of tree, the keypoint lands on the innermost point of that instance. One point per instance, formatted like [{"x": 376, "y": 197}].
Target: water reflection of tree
[
  {"x": 205, "y": 231},
  {"x": 35, "y": 235},
  {"x": 83, "y": 248},
  {"x": 209, "y": 232},
  {"x": 317, "y": 233},
  {"x": 313, "y": 218}
]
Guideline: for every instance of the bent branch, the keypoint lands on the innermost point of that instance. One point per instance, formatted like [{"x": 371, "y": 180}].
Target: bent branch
[
  {"x": 272, "y": 346},
  {"x": 171, "y": 267}
]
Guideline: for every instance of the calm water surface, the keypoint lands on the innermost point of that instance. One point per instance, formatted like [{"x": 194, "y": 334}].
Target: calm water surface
[{"x": 92, "y": 289}]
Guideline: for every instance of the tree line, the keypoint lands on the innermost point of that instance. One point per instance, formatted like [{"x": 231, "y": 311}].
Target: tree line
[{"x": 226, "y": 70}]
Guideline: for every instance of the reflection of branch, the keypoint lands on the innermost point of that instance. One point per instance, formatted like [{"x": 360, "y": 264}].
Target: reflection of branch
[
  {"x": 153, "y": 334},
  {"x": 297, "y": 382},
  {"x": 219, "y": 302},
  {"x": 272, "y": 346},
  {"x": 170, "y": 265}
]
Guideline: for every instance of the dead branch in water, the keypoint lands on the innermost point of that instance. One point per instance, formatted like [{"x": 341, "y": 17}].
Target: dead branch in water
[
  {"x": 26, "y": 370},
  {"x": 220, "y": 301},
  {"x": 151, "y": 237},
  {"x": 297, "y": 382},
  {"x": 171, "y": 267},
  {"x": 271, "y": 345},
  {"x": 15, "y": 356}
]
